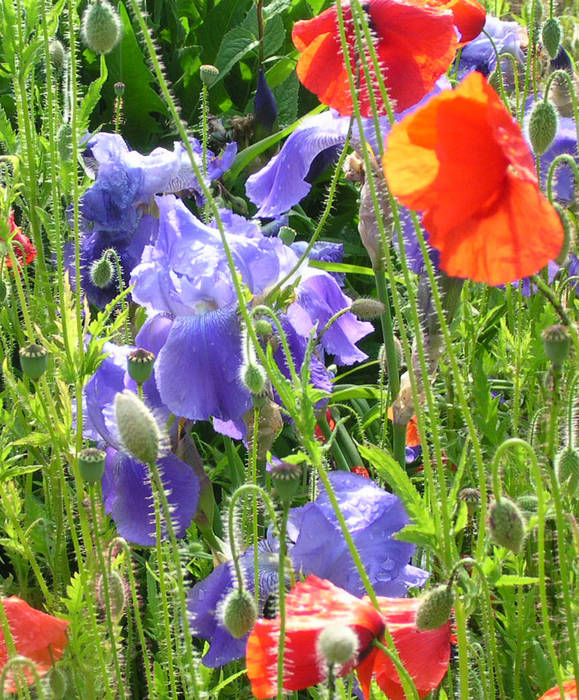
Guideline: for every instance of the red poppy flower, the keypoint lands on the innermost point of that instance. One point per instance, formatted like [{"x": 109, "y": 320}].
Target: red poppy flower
[
  {"x": 23, "y": 247},
  {"x": 360, "y": 471},
  {"x": 37, "y": 636},
  {"x": 311, "y": 606},
  {"x": 424, "y": 654},
  {"x": 469, "y": 17},
  {"x": 463, "y": 161},
  {"x": 415, "y": 42},
  {"x": 569, "y": 688},
  {"x": 412, "y": 434},
  {"x": 320, "y": 437}
]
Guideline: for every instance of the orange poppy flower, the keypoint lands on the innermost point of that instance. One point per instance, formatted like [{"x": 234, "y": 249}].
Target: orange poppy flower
[
  {"x": 569, "y": 688},
  {"x": 314, "y": 604},
  {"x": 23, "y": 247},
  {"x": 469, "y": 17},
  {"x": 463, "y": 161},
  {"x": 37, "y": 636},
  {"x": 412, "y": 434},
  {"x": 415, "y": 42}
]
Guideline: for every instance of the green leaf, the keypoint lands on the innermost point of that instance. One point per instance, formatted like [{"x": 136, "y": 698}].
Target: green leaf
[
  {"x": 513, "y": 580},
  {"x": 341, "y": 267},
  {"x": 93, "y": 95},
  {"x": 236, "y": 44}
]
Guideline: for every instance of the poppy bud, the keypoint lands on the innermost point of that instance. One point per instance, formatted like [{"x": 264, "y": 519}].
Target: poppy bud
[
  {"x": 117, "y": 594},
  {"x": 285, "y": 478},
  {"x": 435, "y": 608},
  {"x": 528, "y": 503},
  {"x": 33, "y": 360},
  {"x": 140, "y": 364},
  {"x": 366, "y": 309},
  {"x": 542, "y": 126},
  {"x": 551, "y": 36},
  {"x": 138, "y": 429},
  {"x": 506, "y": 525},
  {"x": 263, "y": 328},
  {"x": 337, "y": 643},
  {"x": 102, "y": 272},
  {"x": 101, "y": 27},
  {"x": 239, "y": 613},
  {"x": 91, "y": 464},
  {"x": 254, "y": 378},
  {"x": 287, "y": 235},
  {"x": 57, "y": 55},
  {"x": 58, "y": 683},
  {"x": 208, "y": 74},
  {"x": 568, "y": 236},
  {"x": 567, "y": 468},
  {"x": 557, "y": 341}
]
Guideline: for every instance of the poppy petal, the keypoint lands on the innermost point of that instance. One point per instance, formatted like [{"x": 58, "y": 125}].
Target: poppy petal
[
  {"x": 310, "y": 607},
  {"x": 569, "y": 688},
  {"x": 469, "y": 17}
]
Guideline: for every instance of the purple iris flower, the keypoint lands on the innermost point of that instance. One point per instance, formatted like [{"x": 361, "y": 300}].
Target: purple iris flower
[
  {"x": 373, "y": 516},
  {"x": 127, "y": 491},
  {"x": 479, "y": 53},
  {"x": 324, "y": 251},
  {"x": 185, "y": 277},
  {"x": 265, "y": 107},
  {"x": 316, "y": 546},
  {"x": 206, "y": 599},
  {"x": 565, "y": 142}
]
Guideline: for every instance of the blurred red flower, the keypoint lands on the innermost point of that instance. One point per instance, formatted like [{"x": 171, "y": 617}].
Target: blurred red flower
[
  {"x": 360, "y": 471},
  {"x": 415, "y": 43},
  {"x": 569, "y": 688},
  {"x": 320, "y": 437},
  {"x": 37, "y": 636},
  {"x": 469, "y": 17},
  {"x": 24, "y": 250},
  {"x": 463, "y": 161},
  {"x": 314, "y": 604},
  {"x": 412, "y": 434}
]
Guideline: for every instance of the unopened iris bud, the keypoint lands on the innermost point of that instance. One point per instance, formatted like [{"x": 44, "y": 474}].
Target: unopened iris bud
[
  {"x": 542, "y": 126},
  {"x": 556, "y": 341},
  {"x": 551, "y": 36},
  {"x": 435, "y": 608},
  {"x": 254, "y": 378},
  {"x": 366, "y": 309},
  {"x": 91, "y": 464},
  {"x": 285, "y": 478},
  {"x": 33, "y": 360},
  {"x": 208, "y": 74},
  {"x": 239, "y": 613},
  {"x": 138, "y": 429},
  {"x": 506, "y": 525},
  {"x": 265, "y": 109},
  {"x": 57, "y": 55},
  {"x": 102, "y": 271},
  {"x": 101, "y": 27},
  {"x": 337, "y": 644},
  {"x": 140, "y": 365},
  {"x": 567, "y": 468}
]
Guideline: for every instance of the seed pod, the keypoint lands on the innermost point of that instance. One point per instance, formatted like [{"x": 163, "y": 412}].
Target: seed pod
[
  {"x": 101, "y": 27},
  {"x": 208, "y": 74},
  {"x": 506, "y": 525},
  {"x": 91, "y": 464},
  {"x": 140, "y": 365},
  {"x": 285, "y": 478},
  {"x": 33, "y": 360},
  {"x": 556, "y": 341},
  {"x": 239, "y": 613},
  {"x": 337, "y": 643},
  {"x": 435, "y": 608}
]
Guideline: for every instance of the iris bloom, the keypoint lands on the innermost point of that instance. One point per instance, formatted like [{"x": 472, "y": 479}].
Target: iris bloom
[
  {"x": 316, "y": 603},
  {"x": 316, "y": 546},
  {"x": 480, "y": 55},
  {"x": 39, "y": 637},
  {"x": 126, "y": 487},
  {"x": 415, "y": 44},
  {"x": 569, "y": 688},
  {"x": 501, "y": 227}
]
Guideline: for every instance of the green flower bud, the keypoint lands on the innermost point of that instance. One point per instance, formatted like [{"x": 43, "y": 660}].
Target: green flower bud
[
  {"x": 57, "y": 55},
  {"x": 528, "y": 503},
  {"x": 33, "y": 360},
  {"x": 287, "y": 235},
  {"x": 140, "y": 365},
  {"x": 102, "y": 271},
  {"x": 506, "y": 525},
  {"x": 254, "y": 378},
  {"x": 567, "y": 468},
  {"x": 337, "y": 644},
  {"x": 58, "y": 683},
  {"x": 551, "y": 36},
  {"x": 263, "y": 328},
  {"x": 542, "y": 126},
  {"x": 285, "y": 478},
  {"x": 138, "y": 429},
  {"x": 557, "y": 342},
  {"x": 435, "y": 608},
  {"x": 239, "y": 613},
  {"x": 366, "y": 309},
  {"x": 101, "y": 27},
  {"x": 117, "y": 594},
  {"x": 568, "y": 236},
  {"x": 91, "y": 463},
  {"x": 208, "y": 74}
]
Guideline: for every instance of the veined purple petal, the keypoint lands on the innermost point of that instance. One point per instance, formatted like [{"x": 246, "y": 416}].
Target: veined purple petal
[
  {"x": 479, "y": 53},
  {"x": 197, "y": 370}
]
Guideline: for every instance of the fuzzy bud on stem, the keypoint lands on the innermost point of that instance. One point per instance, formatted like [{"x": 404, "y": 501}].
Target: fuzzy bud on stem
[{"x": 138, "y": 429}]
